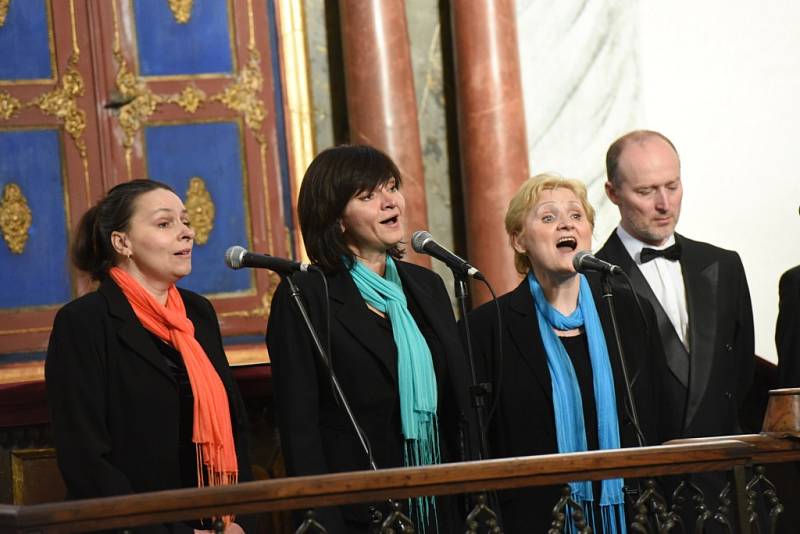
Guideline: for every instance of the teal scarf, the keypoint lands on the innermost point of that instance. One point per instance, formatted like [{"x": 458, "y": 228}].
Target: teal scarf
[
  {"x": 567, "y": 402},
  {"x": 415, "y": 373}
]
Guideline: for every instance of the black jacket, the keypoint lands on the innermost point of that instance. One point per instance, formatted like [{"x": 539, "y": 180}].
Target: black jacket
[
  {"x": 316, "y": 436},
  {"x": 114, "y": 403},
  {"x": 787, "y": 330},
  {"x": 524, "y": 423},
  {"x": 721, "y": 355}
]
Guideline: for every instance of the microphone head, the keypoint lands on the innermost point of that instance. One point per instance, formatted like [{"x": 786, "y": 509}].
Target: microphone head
[
  {"x": 577, "y": 259},
  {"x": 234, "y": 256},
  {"x": 418, "y": 240}
]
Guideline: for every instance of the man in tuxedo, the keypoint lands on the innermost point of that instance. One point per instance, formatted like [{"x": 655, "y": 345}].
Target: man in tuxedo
[{"x": 699, "y": 291}]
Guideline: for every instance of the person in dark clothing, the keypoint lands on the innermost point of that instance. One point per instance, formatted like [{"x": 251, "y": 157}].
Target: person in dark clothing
[
  {"x": 140, "y": 393},
  {"x": 393, "y": 342},
  {"x": 560, "y": 379}
]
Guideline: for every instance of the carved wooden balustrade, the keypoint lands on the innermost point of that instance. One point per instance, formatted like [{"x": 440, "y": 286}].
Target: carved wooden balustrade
[{"x": 686, "y": 456}]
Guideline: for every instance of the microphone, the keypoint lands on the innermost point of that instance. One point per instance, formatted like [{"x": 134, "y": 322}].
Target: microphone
[
  {"x": 423, "y": 243},
  {"x": 584, "y": 261},
  {"x": 237, "y": 257}
]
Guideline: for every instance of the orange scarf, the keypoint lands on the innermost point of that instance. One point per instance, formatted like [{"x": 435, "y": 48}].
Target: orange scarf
[{"x": 212, "y": 433}]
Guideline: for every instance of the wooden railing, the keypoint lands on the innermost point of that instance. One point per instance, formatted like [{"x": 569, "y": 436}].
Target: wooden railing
[{"x": 686, "y": 456}]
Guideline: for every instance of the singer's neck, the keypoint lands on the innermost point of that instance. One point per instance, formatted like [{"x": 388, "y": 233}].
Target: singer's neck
[
  {"x": 158, "y": 289},
  {"x": 560, "y": 291},
  {"x": 374, "y": 261}
]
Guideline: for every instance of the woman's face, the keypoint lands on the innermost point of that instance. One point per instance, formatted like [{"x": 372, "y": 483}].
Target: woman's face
[
  {"x": 158, "y": 241},
  {"x": 554, "y": 229},
  {"x": 372, "y": 221}
]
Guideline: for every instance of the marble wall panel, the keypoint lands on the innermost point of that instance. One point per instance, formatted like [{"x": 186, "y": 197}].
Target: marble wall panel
[{"x": 581, "y": 81}]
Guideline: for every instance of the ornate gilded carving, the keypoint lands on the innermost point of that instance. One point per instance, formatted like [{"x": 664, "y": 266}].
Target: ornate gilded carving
[
  {"x": 201, "y": 209},
  {"x": 3, "y": 11},
  {"x": 181, "y": 10},
  {"x": 243, "y": 96},
  {"x": 190, "y": 99},
  {"x": 61, "y": 102},
  {"x": 143, "y": 102},
  {"x": 15, "y": 218},
  {"x": 9, "y": 106}
]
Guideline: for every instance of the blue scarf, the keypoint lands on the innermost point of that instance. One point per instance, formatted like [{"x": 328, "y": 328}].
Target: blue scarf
[
  {"x": 567, "y": 402},
  {"x": 416, "y": 376}
]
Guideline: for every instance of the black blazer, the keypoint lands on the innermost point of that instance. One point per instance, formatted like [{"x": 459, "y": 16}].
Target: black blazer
[
  {"x": 524, "y": 424},
  {"x": 114, "y": 403},
  {"x": 706, "y": 387},
  {"x": 787, "y": 330},
  {"x": 316, "y": 436}
]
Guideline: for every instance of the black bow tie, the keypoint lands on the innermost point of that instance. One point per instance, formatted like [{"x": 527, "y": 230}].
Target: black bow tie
[{"x": 671, "y": 253}]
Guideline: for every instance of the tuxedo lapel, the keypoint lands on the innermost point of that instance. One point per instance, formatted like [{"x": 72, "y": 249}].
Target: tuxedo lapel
[
  {"x": 130, "y": 330},
  {"x": 351, "y": 311},
  {"x": 674, "y": 350},
  {"x": 523, "y": 328},
  {"x": 702, "y": 285}
]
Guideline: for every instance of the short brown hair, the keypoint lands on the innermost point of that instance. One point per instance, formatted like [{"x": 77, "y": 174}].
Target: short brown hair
[
  {"x": 335, "y": 176},
  {"x": 617, "y": 147},
  {"x": 526, "y": 198}
]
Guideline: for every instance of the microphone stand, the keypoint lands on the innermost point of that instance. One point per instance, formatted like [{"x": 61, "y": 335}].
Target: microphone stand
[
  {"x": 608, "y": 296},
  {"x": 478, "y": 391},
  {"x": 337, "y": 390}
]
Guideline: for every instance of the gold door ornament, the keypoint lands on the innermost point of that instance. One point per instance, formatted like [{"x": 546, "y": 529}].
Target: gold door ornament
[
  {"x": 200, "y": 209},
  {"x": 181, "y": 10},
  {"x": 8, "y": 104},
  {"x": 242, "y": 95},
  {"x": 15, "y": 218},
  {"x": 3, "y": 11}
]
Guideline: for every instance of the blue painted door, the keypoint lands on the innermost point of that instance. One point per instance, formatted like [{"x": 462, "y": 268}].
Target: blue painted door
[{"x": 178, "y": 91}]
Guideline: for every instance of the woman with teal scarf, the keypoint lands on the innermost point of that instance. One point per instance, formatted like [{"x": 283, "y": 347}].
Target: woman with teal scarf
[
  {"x": 394, "y": 343},
  {"x": 560, "y": 380}
]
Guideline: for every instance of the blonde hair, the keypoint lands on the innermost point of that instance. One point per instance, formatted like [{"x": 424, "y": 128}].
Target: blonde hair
[{"x": 527, "y": 197}]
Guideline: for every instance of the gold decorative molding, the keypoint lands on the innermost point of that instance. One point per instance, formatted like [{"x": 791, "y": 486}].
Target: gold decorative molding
[
  {"x": 3, "y": 11},
  {"x": 62, "y": 100},
  {"x": 9, "y": 106},
  {"x": 181, "y": 10},
  {"x": 200, "y": 209},
  {"x": 190, "y": 99},
  {"x": 15, "y": 218},
  {"x": 292, "y": 25},
  {"x": 62, "y": 103},
  {"x": 243, "y": 95}
]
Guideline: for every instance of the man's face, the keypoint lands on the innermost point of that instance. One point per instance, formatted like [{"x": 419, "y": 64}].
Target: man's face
[{"x": 650, "y": 192}]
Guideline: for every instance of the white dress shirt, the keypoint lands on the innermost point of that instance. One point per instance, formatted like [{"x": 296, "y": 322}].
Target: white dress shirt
[{"x": 666, "y": 280}]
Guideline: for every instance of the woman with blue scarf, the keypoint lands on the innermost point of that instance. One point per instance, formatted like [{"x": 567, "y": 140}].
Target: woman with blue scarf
[
  {"x": 393, "y": 339},
  {"x": 560, "y": 381}
]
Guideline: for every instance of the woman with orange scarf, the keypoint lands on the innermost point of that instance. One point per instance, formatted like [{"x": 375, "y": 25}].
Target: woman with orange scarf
[{"x": 141, "y": 396}]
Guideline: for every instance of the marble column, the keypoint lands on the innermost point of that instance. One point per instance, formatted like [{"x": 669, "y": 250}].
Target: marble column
[
  {"x": 491, "y": 122},
  {"x": 381, "y": 105}
]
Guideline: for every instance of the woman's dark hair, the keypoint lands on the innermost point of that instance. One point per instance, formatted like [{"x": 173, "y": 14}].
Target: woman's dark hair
[
  {"x": 92, "y": 251},
  {"x": 334, "y": 177}
]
